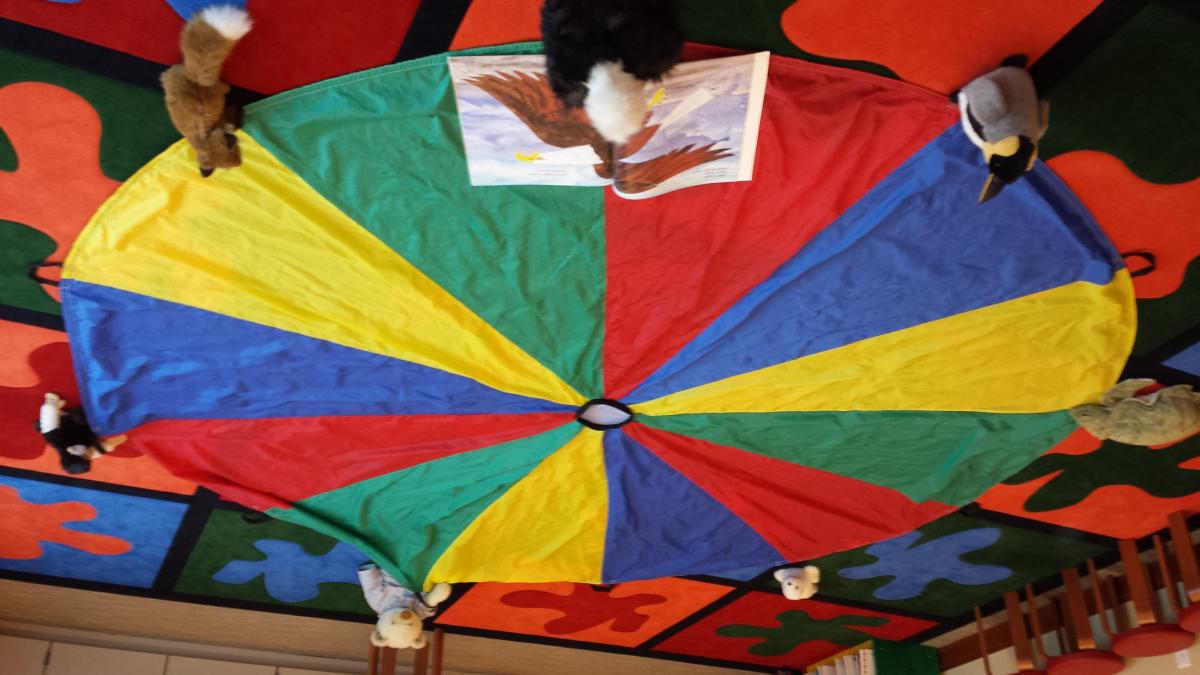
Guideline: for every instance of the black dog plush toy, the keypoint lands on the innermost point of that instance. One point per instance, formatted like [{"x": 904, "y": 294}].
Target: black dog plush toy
[
  {"x": 68, "y": 433},
  {"x": 601, "y": 54}
]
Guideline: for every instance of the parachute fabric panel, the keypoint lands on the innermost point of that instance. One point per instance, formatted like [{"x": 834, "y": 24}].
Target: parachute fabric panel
[
  {"x": 342, "y": 331},
  {"x": 407, "y": 520},
  {"x": 544, "y": 285},
  {"x": 168, "y": 234},
  {"x": 549, "y": 526}
]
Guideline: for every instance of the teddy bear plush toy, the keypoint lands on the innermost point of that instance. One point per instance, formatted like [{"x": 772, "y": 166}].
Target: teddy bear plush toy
[
  {"x": 799, "y": 583},
  {"x": 400, "y": 610},
  {"x": 1134, "y": 412}
]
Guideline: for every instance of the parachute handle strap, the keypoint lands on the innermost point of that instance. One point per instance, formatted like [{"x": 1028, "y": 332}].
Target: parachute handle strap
[
  {"x": 1150, "y": 266},
  {"x": 32, "y": 273}
]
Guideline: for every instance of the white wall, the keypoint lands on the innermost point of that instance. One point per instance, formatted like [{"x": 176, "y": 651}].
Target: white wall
[{"x": 24, "y": 656}]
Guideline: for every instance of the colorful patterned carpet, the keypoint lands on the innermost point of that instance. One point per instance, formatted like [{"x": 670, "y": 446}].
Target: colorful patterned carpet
[{"x": 80, "y": 111}]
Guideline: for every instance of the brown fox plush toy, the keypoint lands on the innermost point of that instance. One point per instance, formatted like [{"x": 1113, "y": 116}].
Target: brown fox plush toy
[{"x": 195, "y": 92}]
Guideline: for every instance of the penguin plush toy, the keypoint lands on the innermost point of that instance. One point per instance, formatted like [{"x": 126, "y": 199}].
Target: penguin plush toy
[
  {"x": 1004, "y": 118},
  {"x": 68, "y": 433}
]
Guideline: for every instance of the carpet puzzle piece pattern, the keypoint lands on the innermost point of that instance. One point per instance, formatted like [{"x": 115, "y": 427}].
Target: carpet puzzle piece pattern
[
  {"x": 79, "y": 533},
  {"x": 300, "y": 567},
  {"x": 750, "y": 25},
  {"x": 26, "y": 526},
  {"x": 1161, "y": 319},
  {"x": 949, "y": 566},
  {"x": 58, "y": 183},
  {"x": 587, "y": 607},
  {"x": 1128, "y": 97},
  {"x": 496, "y": 22},
  {"x": 133, "y": 120},
  {"x": 1112, "y": 489},
  {"x": 123, "y": 466},
  {"x": 1187, "y": 360},
  {"x": 292, "y": 575},
  {"x": 940, "y": 45},
  {"x": 1138, "y": 215},
  {"x": 1158, "y": 472},
  {"x": 8, "y": 156},
  {"x": 278, "y": 54},
  {"x": 754, "y": 25},
  {"x": 22, "y": 247},
  {"x": 625, "y": 614},
  {"x": 17, "y": 342},
  {"x": 770, "y": 630},
  {"x": 914, "y": 566},
  {"x": 797, "y": 627}
]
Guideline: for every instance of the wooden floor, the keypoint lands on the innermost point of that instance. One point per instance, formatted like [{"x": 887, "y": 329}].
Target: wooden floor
[{"x": 146, "y": 624}]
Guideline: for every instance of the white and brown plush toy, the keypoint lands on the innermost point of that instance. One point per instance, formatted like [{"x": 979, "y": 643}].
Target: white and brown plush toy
[
  {"x": 799, "y": 583},
  {"x": 194, "y": 90},
  {"x": 1134, "y": 413},
  {"x": 67, "y": 431},
  {"x": 400, "y": 610}
]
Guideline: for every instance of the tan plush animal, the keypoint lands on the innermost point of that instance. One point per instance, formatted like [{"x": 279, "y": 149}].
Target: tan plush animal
[
  {"x": 194, "y": 90},
  {"x": 400, "y": 610},
  {"x": 799, "y": 583},
  {"x": 1155, "y": 418}
]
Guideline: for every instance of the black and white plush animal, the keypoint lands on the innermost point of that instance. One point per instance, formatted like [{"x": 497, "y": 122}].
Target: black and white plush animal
[
  {"x": 68, "y": 433},
  {"x": 1003, "y": 117},
  {"x": 600, "y": 54}
]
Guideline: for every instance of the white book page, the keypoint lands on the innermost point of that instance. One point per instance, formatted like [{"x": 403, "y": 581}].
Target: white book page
[
  {"x": 502, "y": 148},
  {"x": 707, "y": 115}
]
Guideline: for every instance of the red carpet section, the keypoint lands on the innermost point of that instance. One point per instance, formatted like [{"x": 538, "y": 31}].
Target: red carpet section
[
  {"x": 293, "y": 43},
  {"x": 495, "y": 22},
  {"x": 936, "y": 44},
  {"x": 1138, "y": 215}
]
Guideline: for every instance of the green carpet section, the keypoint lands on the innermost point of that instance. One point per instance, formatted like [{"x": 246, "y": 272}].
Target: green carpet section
[
  {"x": 21, "y": 246},
  {"x": 1136, "y": 96},
  {"x": 384, "y": 147},
  {"x": 227, "y": 539},
  {"x": 797, "y": 627},
  {"x": 134, "y": 120},
  {"x": 1157, "y": 472},
  {"x": 1160, "y": 319},
  {"x": 753, "y": 25},
  {"x": 934, "y": 557},
  {"x": 418, "y": 512},
  {"x": 8, "y": 156},
  {"x": 905, "y": 657},
  {"x": 950, "y": 457}
]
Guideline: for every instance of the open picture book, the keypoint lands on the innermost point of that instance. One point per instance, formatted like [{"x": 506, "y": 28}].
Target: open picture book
[{"x": 701, "y": 127}]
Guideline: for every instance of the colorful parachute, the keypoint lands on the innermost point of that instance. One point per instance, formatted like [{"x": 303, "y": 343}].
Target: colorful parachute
[{"x": 344, "y": 333}]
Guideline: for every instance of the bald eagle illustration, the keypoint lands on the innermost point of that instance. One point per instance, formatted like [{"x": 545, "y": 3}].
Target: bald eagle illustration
[{"x": 530, "y": 98}]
